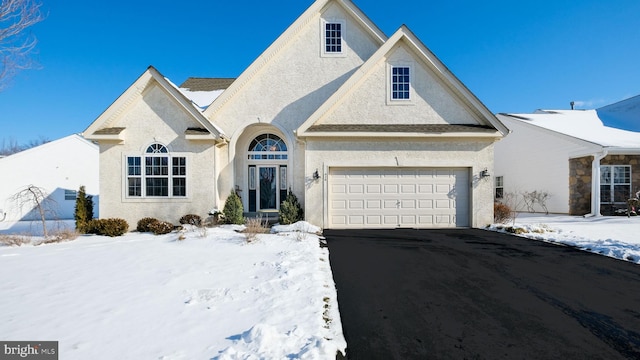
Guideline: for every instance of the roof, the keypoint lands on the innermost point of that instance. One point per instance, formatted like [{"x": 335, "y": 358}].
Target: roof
[
  {"x": 103, "y": 127},
  {"x": 206, "y": 84},
  {"x": 64, "y": 143},
  {"x": 399, "y": 128},
  {"x": 460, "y": 92},
  {"x": 625, "y": 114},
  {"x": 584, "y": 125}
]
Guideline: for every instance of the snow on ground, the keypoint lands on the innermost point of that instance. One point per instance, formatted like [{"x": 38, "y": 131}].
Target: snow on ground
[
  {"x": 140, "y": 296},
  {"x": 614, "y": 236}
]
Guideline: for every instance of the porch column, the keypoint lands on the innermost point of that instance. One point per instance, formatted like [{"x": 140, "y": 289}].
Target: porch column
[{"x": 595, "y": 183}]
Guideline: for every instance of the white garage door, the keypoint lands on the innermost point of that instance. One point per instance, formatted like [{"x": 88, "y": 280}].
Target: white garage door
[{"x": 398, "y": 197}]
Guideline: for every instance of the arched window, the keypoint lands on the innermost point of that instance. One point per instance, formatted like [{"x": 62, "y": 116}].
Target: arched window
[
  {"x": 156, "y": 174},
  {"x": 267, "y": 147}
]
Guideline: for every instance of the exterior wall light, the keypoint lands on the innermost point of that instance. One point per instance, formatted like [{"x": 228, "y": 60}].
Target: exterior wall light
[
  {"x": 484, "y": 173},
  {"x": 316, "y": 176}
]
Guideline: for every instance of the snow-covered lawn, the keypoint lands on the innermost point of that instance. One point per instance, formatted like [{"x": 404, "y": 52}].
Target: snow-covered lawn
[
  {"x": 140, "y": 296},
  {"x": 614, "y": 236}
]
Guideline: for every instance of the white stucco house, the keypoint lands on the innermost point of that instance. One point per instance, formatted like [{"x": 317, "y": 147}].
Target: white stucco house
[
  {"x": 367, "y": 130},
  {"x": 58, "y": 167},
  {"x": 587, "y": 168}
]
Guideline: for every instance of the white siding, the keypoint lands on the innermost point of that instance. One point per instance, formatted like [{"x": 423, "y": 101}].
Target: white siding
[
  {"x": 64, "y": 164},
  {"x": 531, "y": 158}
]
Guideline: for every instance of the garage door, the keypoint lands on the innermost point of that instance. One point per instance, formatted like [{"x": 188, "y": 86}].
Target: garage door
[{"x": 398, "y": 197}]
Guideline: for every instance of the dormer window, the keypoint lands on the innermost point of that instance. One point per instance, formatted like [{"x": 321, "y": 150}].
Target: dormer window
[{"x": 333, "y": 38}]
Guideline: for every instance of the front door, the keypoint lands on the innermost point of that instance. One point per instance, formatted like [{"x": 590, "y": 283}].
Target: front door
[{"x": 267, "y": 187}]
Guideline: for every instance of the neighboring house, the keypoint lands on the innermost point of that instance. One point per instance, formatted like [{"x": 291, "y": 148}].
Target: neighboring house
[
  {"x": 586, "y": 167},
  {"x": 367, "y": 130},
  {"x": 625, "y": 114},
  {"x": 58, "y": 167}
]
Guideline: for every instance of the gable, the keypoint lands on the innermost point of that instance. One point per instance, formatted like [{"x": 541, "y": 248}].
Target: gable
[
  {"x": 292, "y": 78},
  {"x": 164, "y": 100},
  {"x": 437, "y": 98}
]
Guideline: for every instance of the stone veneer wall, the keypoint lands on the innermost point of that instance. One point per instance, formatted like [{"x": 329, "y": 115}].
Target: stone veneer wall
[
  {"x": 580, "y": 185},
  {"x": 580, "y": 181}
]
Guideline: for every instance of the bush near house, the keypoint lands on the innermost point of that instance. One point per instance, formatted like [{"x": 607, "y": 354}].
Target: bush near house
[
  {"x": 144, "y": 224},
  {"x": 290, "y": 210},
  {"x": 108, "y": 227},
  {"x": 161, "y": 227},
  {"x": 501, "y": 212},
  {"x": 83, "y": 210},
  {"x": 191, "y": 219},
  {"x": 233, "y": 210}
]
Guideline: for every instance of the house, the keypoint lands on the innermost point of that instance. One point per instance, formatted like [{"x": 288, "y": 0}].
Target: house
[
  {"x": 58, "y": 167},
  {"x": 625, "y": 114},
  {"x": 367, "y": 131},
  {"x": 587, "y": 168}
]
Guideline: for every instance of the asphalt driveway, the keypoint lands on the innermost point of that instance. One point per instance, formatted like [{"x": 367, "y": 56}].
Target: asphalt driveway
[{"x": 475, "y": 294}]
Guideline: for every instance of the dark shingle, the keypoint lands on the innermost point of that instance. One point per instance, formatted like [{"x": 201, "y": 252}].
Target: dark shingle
[
  {"x": 109, "y": 131},
  {"x": 401, "y": 128},
  {"x": 196, "y": 131},
  {"x": 206, "y": 84}
]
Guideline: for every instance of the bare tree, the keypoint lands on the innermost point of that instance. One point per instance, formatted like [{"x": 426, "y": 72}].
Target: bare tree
[
  {"x": 15, "y": 43},
  {"x": 11, "y": 146},
  {"x": 36, "y": 198}
]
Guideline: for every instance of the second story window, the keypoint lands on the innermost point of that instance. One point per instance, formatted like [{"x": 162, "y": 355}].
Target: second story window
[
  {"x": 332, "y": 37},
  {"x": 400, "y": 83}
]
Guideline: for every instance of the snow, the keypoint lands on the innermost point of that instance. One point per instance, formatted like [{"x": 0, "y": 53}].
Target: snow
[
  {"x": 140, "y": 296},
  {"x": 613, "y": 236},
  {"x": 581, "y": 124},
  {"x": 201, "y": 98}
]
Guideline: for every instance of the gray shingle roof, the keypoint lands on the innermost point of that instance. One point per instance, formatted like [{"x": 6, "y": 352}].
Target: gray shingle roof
[
  {"x": 206, "y": 84},
  {"x": 402, "y": 128},
  {"x": 109, "y": 131}
]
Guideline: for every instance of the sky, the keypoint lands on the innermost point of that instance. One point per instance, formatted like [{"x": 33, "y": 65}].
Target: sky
[{"x": 515, "y": 56}]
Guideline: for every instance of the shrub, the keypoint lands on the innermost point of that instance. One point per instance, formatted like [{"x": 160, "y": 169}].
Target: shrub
[
  {"x": 290, "y": 210},
  {"x": 255, "y": 226},
  {"x": 144, "y": 224},
  {"x": 161, "y": 227},
  {"x": 233, "y": 210},
  {"x": 501, "y": 212},
  {"x": 191, "y": 219},
  {"x": 83, "y": 210},
  {"x": 108, "y": 227}
]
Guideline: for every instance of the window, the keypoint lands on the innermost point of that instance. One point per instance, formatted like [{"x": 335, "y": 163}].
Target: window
[
  {"x": 400, "y": 83},
  {"x": 615, "y": 183},
  {"x": 499, "y": 193},
  {"x": 332, "y": 37},
  {"x": 268, "y": 147},
  {"x": 164, "y": 175},
  {"x": 70, "y": 195}
]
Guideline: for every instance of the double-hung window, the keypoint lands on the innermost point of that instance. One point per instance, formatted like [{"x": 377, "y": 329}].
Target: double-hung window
[
  {"x": 157, "y": 173},
  {"x": 499, "y": 187},
  {"x": 615, "y": 183}
]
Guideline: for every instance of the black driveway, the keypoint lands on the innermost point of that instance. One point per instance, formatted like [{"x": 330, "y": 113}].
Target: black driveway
[{"x": 475, "y": 294}]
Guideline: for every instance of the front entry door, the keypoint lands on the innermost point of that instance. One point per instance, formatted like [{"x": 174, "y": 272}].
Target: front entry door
[{"x": 267, "y": 187}]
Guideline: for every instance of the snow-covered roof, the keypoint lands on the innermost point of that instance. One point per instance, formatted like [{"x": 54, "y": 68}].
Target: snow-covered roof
[
  {"x": 625, "y": 113},
  {"x": 581, "y": 124}
]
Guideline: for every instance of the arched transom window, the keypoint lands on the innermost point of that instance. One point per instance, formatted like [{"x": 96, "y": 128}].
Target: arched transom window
[
  {"x": 267, "y": 147},
  {"x": 157, "y": 173}
]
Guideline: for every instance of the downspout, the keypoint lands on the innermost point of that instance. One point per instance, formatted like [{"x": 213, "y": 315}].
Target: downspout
[{"x": 595, "y": 183}]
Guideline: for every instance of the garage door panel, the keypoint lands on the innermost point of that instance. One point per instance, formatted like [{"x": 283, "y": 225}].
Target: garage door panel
[{"x": 398, "y": 197}]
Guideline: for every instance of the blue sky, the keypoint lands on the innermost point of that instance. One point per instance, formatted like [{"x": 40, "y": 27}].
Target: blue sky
[{"x": 515, "y": 56}]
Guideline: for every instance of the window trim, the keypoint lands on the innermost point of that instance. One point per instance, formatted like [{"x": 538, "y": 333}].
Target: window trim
[
  {"x": 497, "y": 186},
  {"x": 390, "y": 67},
  {"x": 143, "y": 175},
  {"x": 613, "y": 183},
  {"x": 323, "y": 38}
]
